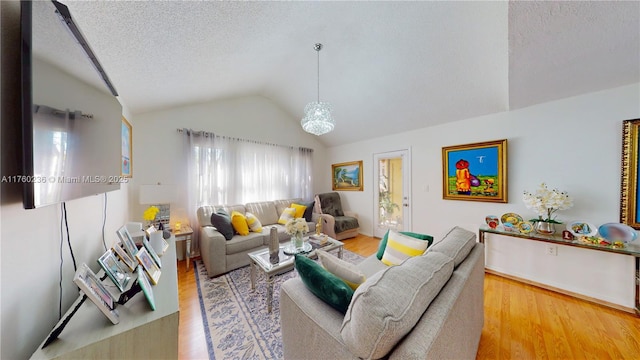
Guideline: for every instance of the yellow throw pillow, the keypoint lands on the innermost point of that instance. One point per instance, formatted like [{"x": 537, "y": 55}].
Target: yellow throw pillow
[
  {"x": 299, "y": 210},
  {"x": 287, "y": 214},
  {"x": 346, "y": 271},
  {"x": 239, "y": 223},
  {"x": 254, "y": 224},
  {"x": 401, "y": 247}
]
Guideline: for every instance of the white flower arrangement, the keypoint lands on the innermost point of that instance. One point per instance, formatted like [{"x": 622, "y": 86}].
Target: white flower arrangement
[
  {"x": 296, "y": 226},
  {"x": 546, "y": 202}
]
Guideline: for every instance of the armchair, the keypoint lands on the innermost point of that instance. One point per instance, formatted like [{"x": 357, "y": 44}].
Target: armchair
[{"x": 336, "y": 222}]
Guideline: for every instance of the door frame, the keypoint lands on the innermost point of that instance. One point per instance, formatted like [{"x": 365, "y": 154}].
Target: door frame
[{"x": 407, "y": 213}]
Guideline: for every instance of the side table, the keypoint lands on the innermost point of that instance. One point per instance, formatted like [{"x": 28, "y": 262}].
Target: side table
[{"x": 185, "y": 234}]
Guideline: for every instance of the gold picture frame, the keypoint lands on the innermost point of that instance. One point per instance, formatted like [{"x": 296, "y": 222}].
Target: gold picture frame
[
  {"x": 126, "y": 136},
  {"x": 347, "y": 176},
  {"x": 629, "y": 177},
  {"x": 475, "y": 172}
]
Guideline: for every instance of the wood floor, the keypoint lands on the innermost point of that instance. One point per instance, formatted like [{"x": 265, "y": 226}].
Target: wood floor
[{"x": 521, "y": 321}]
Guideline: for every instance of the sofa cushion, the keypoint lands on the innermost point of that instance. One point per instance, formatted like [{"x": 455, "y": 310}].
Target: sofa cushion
[
  {"x": 283, "y": 204},
  {"x": 239, "y": 222},
  {"x": 254, "y": 224},
  {"x": 204, "y": 215},
  {"x": 346, "y": 271},
  {"x": 239, "y": 243},
  {"x": 299, "y": 209},
  {"x": 287, "y": 214},
  {"x": 331, "y": 204},
  {"x": 456, "y": 244},
  {"x": 344, "y": 223},
  {"x": 383, "y": 242},
  {"x": 265, "y": 211},
  {"x": 401, "y": 247},
  {"x": 222, "y": 222},
  {"x": 389, "y": 304},
  {"x": 323, "y": 284}
]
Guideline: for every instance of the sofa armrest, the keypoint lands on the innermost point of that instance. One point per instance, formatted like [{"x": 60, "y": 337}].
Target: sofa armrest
[
  {"x": 309, "y": 326},
  {"x": 213, "y": 251},
  {"x": 328, "y": 225}
]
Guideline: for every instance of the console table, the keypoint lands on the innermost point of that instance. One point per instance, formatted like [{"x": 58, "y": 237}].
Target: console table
[
  {"x": 141, "y": 333},
  {"x": 631, "y": 250}
]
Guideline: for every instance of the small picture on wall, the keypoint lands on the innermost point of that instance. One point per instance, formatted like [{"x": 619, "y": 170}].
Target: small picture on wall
[
  {"x": 347, "y": 176},
  {"x": 475, "y": 172},
  {"x": 126, "y": 140}
]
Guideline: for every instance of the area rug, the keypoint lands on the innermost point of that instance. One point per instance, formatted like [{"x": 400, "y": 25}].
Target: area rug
[{"x": 235, "y": 318}]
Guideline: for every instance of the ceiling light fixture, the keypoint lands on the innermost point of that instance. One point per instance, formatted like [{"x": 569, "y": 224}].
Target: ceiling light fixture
[{"x": 317, "y": 119}]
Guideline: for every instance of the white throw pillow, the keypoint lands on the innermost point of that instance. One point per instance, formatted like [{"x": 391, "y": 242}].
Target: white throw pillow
[
  {"x": 346, "y": 271},
  {"x": 401, "y": 247},
  {"x": 287, "y": 214},
  {"x": 254, "y": 224}
]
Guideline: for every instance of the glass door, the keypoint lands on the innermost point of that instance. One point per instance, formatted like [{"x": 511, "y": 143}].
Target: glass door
[{"x": 393, "y": 175}]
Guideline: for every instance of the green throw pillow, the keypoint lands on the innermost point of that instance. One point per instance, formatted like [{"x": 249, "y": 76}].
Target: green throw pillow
[
  {"x": 383, "y": 242},
  {"x": 323, "y": 284}
]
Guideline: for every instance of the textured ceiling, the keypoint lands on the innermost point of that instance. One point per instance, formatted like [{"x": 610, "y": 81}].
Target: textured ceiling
[{"x": 386, "y": 67}]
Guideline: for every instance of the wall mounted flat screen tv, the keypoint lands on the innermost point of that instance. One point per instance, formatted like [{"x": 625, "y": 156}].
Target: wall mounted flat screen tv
[{"x": 71, "y": 118}]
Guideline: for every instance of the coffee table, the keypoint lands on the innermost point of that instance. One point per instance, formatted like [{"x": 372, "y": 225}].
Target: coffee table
[{"x": 260, "y": 260}]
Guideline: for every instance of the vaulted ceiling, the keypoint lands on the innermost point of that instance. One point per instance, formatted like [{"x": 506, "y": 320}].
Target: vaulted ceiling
[{"x": 386, "y": 67}]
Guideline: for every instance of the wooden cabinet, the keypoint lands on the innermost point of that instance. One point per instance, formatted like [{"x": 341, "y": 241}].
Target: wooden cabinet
[
  {"x": 595, "y": 273},
  {"x": 141, "y": 333}
]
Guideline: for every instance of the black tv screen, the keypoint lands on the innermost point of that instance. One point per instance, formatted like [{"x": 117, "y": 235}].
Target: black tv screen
[{"x": 71, "y": 118}]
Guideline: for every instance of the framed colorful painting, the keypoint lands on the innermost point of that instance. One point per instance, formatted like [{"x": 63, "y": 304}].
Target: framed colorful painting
[
  {"x": 475, "y": 172},
  {"x": 127, "y": 150},
  {"x": 347, "y": 176},
  {"x": 629, "y": 186}
]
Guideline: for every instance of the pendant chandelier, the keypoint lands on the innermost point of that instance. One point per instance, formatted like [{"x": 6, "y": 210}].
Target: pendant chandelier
[{"x": 317, "y": 119}]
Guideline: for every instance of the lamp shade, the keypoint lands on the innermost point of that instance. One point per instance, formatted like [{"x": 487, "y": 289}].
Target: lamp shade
[{"x": 157, "y": 194}]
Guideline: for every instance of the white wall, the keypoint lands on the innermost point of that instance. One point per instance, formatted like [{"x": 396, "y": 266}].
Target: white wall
[
  {"x": 573, "y": 144},
  {"x": 30, "y": 239},
  {"x": 157, "y": 146}
]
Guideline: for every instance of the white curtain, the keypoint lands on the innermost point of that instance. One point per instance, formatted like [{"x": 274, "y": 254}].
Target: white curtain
[{"x": 223, "y": 170}]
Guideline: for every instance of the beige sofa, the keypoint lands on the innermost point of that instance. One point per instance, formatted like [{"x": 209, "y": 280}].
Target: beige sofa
[
  {"x": 449, "y": 328},
  {"x": 220, "y": 255}
]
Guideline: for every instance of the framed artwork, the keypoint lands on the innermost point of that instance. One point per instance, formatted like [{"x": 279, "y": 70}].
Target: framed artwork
[
  {"x": 149, "y": 265},
  {"x": 112, "y": 268},
  {"x": 347, "y": 176},
  {"x": 151, "y": 252},
  {"x": 89, "y": 283},
  {"x": 127, "y": 149},
  {"x": 127, "y": 241},
  {"x": 143, "y": 281},
  {"x": 131, "y": 262},
  {"x": 629, "y": 187},
  {"x": 475, "y": 172}
]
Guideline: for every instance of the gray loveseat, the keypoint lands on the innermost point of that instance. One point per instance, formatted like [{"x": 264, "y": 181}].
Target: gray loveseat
[
  {"x": 449, "y": 328},
  {"x": 220, "y": 255}
]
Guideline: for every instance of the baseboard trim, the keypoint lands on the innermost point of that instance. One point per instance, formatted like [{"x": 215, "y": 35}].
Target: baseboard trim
[{"x": 562, "y": 291}]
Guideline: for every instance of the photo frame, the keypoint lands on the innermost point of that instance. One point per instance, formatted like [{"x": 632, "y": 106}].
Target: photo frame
[
  {"x": 127, "y": 241},
  {"x": 149, "y": 265},
  {"x": 89, "y": 283},
  {"x": 143, "y": 281},
  {"x": 475, "y": 172},
  {"x": 152, "y": 252},
  {"x": 126, "y": 137},
  {"x": 629, "y": 177},
  {"x": 126, "y": 259},
  {"x": 112, "y": 268},
  {"x": 347, "y": 176}
]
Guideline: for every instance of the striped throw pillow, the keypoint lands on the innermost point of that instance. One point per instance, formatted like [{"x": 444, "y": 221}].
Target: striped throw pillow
[
  {"x": 287, "y": 214},
  {"x": 401, "y": 247},
  {"x": 254, "y": 224}
]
